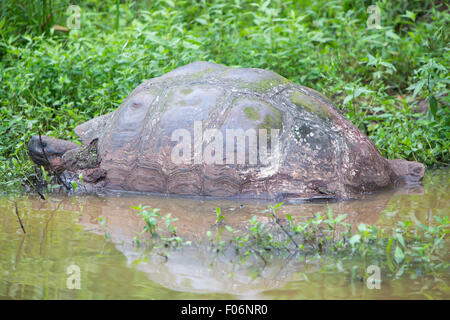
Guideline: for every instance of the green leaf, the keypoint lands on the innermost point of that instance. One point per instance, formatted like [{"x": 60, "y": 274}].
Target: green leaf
[
  {"x": 170, "y": 3},
  {"x": 400, "y": 239},
  {"x": 201, "y": 21},
  {"x": 400, "y": 271},
  {"x": 355, "y": 239},
  {"x": 348, "y": 99},
  {"x": 417, "y": 87},
  {"x": 362, "y": 227},
  {"x": 230, "y": 229},
  {"x": 389, "y": 263},
  {"x": 433, "y": 105},
  {"x": 330, "y": 213},
  {"x": 391, "y": 34},
  {"x": 398, "y": 255},
  {"x": 388, "y": 248},
  {"x": 411, "y": 15},
  {"x": 278, "y": 205}
]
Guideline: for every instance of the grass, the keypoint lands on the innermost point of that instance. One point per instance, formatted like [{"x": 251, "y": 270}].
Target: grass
[{"x": 381, "y": 79}]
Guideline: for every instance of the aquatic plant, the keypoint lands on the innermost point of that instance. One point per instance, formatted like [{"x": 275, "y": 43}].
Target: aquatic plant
[
  {"x": 220, "y": 218},
  {"x": 152, "y": 219},
  {"x": 101, "y": 222},
  {"x": 405, "y": 248}
]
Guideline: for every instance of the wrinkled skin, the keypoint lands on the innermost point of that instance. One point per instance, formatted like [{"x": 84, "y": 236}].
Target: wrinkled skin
[
  {"x": 322, "y": 155},
  {"x": 50, "y": 150}
]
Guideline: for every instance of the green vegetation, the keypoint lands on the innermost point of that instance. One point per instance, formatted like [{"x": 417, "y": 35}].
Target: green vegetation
[
  {"x": 407, "y": 249},
  {"x": 220, "y": 218},
  {"x": 101, "y": 221},
  {"x": 159, "y": 237},
  {"x": 382, "y": 79}
]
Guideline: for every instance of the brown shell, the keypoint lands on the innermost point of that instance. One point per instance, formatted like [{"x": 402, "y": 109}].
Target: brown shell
[{"x": 322, "y": 153}]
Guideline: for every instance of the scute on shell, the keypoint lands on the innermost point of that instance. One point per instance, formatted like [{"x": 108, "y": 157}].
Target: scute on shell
[{"x": 320, "y": 149}]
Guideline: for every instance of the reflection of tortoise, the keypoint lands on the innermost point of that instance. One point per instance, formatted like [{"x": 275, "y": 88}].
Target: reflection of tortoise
[{"x": 321, "y": 153}]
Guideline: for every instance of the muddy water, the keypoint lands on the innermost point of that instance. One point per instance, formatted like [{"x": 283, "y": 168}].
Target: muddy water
[{"x": 65, "y": 231}]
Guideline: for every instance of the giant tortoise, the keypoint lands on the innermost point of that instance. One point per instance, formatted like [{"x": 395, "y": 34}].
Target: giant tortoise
[{"x": 310, "y": 150}]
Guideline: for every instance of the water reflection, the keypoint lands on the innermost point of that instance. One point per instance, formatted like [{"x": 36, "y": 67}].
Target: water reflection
[
  {"x": 196, "y": 217},
  {"x": 64, "y": 231}
]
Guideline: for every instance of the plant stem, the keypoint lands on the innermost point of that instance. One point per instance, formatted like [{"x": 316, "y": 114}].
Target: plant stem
[
  {"x": 277, "y": 221},
  {"x": 117, "y": 14},
  {"x": 18, "y": 216}
]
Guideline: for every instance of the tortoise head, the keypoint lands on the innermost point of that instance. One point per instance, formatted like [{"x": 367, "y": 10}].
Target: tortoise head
[
  {"x": 47, "y": 151},
  {"x": 407, "y": 172}
]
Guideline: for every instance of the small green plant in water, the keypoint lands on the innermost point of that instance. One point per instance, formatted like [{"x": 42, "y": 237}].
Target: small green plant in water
[
  {"x": 152, "y": 217},
  {"x": 220, "y": 218},
  {"x": 101, "y": 222},
  {"x": 418, "y": 249}
]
